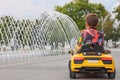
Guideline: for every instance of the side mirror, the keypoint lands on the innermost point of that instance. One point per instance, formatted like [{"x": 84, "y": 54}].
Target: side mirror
[
  {"x": 71, "y": 52},
  {"x": 107, "y": 51}
]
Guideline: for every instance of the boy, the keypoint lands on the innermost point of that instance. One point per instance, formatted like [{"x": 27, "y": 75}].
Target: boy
[{"x": 91, "y": 36}]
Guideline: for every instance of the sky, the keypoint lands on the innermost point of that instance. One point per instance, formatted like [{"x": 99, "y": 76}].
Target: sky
[
  {"x": 49, "y": 4},
  {"x": 109, "y": 4},
  {"x": 30, "y": 8}
]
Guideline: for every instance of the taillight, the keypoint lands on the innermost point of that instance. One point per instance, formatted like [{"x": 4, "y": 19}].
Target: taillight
[
  {"x": 106, "y": 60},
  {"x": 78, "y": 60}
]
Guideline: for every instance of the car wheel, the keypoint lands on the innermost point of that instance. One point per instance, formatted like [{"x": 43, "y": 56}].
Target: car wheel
[
  {"x": 111, "y": 75},
  {"x": 69, "y": 65},
  {"x": 72, "y": 74}
]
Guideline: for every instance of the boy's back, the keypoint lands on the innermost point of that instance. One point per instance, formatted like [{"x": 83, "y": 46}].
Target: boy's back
[{"x": 91, "y": 36}]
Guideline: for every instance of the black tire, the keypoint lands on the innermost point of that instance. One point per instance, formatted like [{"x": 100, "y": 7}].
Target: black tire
[
  {"x": 72, "y": 74},
  {"x": 111, "y": 75},
  {"x": 69, "y": 65}
]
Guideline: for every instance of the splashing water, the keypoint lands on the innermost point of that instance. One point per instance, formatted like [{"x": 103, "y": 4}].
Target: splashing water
[{"x": 48, "y": 34}]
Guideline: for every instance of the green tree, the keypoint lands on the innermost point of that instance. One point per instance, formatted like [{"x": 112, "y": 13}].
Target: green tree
[
  {"x": 117, "y": 17},
  {"x": 117, "y": 12},
  {"x": 77, "y": 10},
  {"x": 116, "y": 33},
  {"x": 107, "y": 26}
]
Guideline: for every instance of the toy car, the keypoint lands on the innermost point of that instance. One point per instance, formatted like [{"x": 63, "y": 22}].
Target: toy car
[{"x": 94, "y": 61}]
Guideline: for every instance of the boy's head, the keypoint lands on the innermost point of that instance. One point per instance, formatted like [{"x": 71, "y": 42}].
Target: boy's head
[{"x": 91, "y": 20}]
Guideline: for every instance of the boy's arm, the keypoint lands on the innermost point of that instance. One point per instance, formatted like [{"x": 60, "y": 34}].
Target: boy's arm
[
  {"x": 79, "y": 41},
  {"x": 101, "y": 39},
  {"x": 79, "y": 44}
]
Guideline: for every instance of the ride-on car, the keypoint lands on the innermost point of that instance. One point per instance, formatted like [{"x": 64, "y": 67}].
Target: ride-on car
[{"x": 91, "y": 61}]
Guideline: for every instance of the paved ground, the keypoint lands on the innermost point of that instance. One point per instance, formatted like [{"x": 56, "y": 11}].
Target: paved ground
[{"x": 49, "y": 68}]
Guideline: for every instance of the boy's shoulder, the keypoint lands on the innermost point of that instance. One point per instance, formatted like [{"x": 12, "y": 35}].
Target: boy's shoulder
[
  {"x": 92, "y": 32},
  {"x": 87, "y": 30}
]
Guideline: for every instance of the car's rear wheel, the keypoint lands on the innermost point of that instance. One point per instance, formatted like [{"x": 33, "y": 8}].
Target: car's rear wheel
[
  {"x": 111, "y": 75},
  {"x": 72, "y": 74},
  {"x": 69, "y": 65}
]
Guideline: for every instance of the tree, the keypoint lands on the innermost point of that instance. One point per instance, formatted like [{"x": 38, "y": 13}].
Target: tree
[
  {"x": 77, "y": 10},
  {"x": 117, "y": 17},
  {"x": 116, "y": 33},
  {"x": 107, "y": 26},
  {"x": 117, "y": 12}
]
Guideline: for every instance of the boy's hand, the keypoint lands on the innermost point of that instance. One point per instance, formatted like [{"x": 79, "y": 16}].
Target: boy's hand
[{"x": 79, "y": 43}]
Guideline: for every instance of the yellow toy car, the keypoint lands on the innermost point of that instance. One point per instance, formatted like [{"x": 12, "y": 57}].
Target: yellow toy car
[{"x": 92, "y": 61}]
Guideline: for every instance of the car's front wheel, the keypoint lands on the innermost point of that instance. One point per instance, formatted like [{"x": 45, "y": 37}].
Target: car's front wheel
[{"x": 111, "y": 75}]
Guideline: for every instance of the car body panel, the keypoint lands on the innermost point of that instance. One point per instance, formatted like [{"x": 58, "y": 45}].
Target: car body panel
[{"x": 92, "y": 62}]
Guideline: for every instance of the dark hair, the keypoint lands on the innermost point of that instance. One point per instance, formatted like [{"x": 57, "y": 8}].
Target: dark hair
[{"x": 92, "y": 19}]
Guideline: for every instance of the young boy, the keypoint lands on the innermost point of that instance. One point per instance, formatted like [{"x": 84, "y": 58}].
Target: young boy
[{"x": 91, "y": 36}]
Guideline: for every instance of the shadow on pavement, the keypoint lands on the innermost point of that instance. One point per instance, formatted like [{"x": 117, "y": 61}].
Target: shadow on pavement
[{"x": 92, "y": 76}]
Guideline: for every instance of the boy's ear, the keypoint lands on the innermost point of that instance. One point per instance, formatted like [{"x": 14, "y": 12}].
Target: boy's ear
[
  {"x": 87, "y": 26},
  {"x": 86, "y": 23},
  {"x": 97, "y": 25}
]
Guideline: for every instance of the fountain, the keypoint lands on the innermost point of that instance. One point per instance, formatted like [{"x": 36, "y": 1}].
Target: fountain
[{"x": 30, "y": 38}]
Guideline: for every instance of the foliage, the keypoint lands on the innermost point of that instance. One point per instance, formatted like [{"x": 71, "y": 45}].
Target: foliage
[
  {"x": 107, "y": 26},
  {"x": 117, "y": 17},
  {"x": 117, "y": 12},
  {"x": 77, "y": 10}
]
